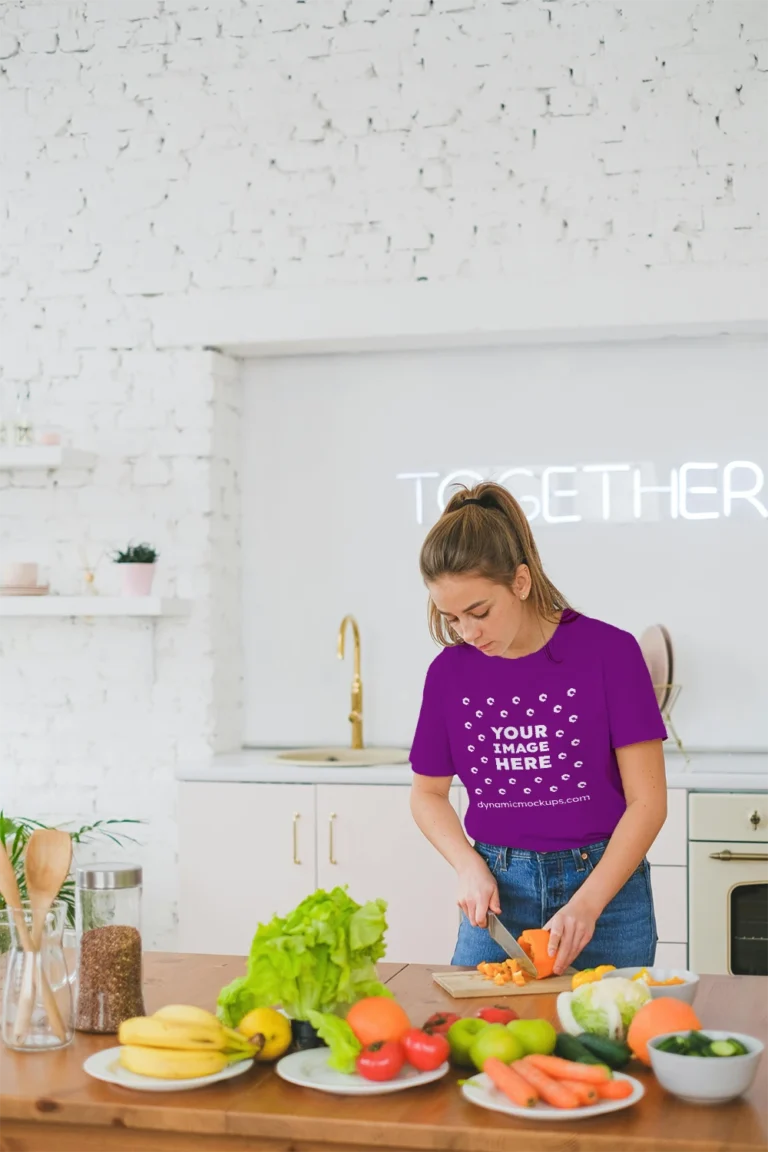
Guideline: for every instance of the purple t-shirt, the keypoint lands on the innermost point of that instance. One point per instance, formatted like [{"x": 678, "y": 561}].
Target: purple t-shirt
[{"x": 532, "y": 739}]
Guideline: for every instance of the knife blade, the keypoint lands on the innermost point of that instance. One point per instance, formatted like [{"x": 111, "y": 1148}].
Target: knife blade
[{"x": 507, "y": 941}]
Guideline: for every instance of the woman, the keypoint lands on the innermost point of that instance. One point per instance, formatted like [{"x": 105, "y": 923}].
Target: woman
[{"x": 550, "y": 720}]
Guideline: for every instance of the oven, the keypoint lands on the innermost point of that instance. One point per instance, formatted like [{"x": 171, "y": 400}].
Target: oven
[{"x": 728, "y": 883}]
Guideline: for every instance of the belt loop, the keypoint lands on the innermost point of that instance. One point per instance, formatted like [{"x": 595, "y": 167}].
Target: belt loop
[
  {"x": 578, "y": 860},
  {"x": 504, "y": 858}
]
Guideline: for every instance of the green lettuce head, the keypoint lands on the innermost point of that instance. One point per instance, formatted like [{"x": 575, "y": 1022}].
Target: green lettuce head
[{"x": 605, "y": 1008}]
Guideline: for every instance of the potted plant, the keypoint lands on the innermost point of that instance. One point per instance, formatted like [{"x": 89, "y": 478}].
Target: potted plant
[{"x": 139, "y": 570}]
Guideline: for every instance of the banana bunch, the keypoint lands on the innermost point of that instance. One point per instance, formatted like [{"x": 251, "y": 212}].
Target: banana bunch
[{"x": 180, "y": 1042}]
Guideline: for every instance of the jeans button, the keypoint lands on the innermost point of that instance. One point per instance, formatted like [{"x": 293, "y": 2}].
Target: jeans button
[{"x": 584, "y": 856}]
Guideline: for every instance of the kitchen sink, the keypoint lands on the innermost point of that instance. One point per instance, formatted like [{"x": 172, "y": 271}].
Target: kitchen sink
[{"x": 343, "y": 757}]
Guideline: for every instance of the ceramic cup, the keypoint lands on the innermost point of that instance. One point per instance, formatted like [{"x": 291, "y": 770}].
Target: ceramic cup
[{"x": 19, "y": 575}]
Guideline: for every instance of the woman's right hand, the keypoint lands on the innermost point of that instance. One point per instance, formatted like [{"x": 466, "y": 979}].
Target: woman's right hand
[{"x": 478, "y": 892}]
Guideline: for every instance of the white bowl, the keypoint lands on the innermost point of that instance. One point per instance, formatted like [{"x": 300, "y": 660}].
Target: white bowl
[
  {"x": 706, "y": 1079},
  {"x": 685, "y": 992}
]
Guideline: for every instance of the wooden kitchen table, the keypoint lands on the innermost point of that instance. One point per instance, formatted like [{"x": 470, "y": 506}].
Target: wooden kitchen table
[{"x": 48, "y": 1103}]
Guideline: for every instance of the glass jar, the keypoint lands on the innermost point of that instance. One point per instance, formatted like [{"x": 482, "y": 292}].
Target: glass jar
[
  {"x": 108, "y": 917},
  {"x": 37, "y": 992}
]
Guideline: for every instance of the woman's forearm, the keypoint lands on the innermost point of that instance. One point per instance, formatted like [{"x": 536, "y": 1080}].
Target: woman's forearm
[
  {"x": 631, "y": 839},
  {"x": 440, "y": 823}
]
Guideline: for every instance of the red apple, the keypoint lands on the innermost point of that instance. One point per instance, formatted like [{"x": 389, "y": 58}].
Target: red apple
[{"x": 495, "y": 1014}]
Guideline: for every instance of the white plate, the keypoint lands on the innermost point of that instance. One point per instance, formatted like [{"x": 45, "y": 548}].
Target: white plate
[
  {"x": 480, "y": 1091},
  {"x": 104, "y": 1066},
  {"x": 310, "y": 1070}
]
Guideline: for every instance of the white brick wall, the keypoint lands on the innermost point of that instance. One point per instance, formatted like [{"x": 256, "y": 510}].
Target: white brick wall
[{"x": 168, "y": 147}]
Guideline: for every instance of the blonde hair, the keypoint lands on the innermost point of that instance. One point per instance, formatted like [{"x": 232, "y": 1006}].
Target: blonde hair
[{"x": 491, "y": 538}]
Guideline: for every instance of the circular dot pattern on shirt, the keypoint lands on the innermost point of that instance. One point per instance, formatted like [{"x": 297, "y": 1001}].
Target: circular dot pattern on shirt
[
  {"x": 511, "y": 780},
  {"x": 553, "y": 788},
  {"x": 488, "y": 780},
  {"x": 571, "y": 692},
  {"x": 467, "y": 724},
  {"x": 490, "y": 701},
  {"x": 478, "y": 714},
  {"x": 504, "y": 715},
  {"x": 565, "y": 775},
  {"x": 575, "y": 743},
  {"x": 561, "y": 755},
  {"x": 537, "y": 779},
  {"x": 529, "y": 712},
  {"x": 557, "y": 708},
  {"x": 578, "y": 764},
  {"x": 474, "y": 770},
  {"x": 582, "y": 784},
  {"x": 559, "y": 732},
  {"x": 543, "y": 697},
  {"x": 572, "y": 719},
  {"x": 470, "y": 747},
  {"x": 515, "y": 699},
  {"x": 481, "y": 737},
  {"x": 527, "y": 791},
  {"x": 502, "y": 792},
  {"x": 478, "y": 791},
  {"x": 483, "y": 759},
  {"x": 465, "y": 700}
]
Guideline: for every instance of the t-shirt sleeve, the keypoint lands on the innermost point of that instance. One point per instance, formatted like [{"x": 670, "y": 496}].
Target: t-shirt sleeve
[
  {"x": 633, "y": 710},
  {"x": 431, "y": 749}
]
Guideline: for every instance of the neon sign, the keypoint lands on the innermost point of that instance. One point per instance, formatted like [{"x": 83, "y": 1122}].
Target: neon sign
[{"x": 619, "y": 493}]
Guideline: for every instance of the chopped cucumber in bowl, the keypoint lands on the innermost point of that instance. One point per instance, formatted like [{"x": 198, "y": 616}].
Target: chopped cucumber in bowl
[{"x": 699, "y": 1044}]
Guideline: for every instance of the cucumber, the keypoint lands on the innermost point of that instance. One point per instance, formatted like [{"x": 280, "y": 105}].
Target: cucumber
[
  {"x": 569, "y": 1048},
  {"x": 726, "y": 1048},
  {"x": 609, "y": 1052}
]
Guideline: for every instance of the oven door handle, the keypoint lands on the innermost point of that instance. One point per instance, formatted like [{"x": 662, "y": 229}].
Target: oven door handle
[{"x": 726, "y": 854}]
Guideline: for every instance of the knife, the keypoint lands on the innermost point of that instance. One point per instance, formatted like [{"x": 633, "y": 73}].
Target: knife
[{"x": 507, "y": 941}]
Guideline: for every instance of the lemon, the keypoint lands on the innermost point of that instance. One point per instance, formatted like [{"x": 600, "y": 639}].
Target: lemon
[{"x": 268, "y": 1030}]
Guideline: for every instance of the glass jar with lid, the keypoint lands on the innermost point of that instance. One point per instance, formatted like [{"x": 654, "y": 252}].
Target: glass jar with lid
[{"x": 109, "y": 949}]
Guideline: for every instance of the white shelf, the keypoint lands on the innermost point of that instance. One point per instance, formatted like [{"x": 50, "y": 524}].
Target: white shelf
[
  {"x": 92, "y": 606},
  {"x": 45, "y": 457}
]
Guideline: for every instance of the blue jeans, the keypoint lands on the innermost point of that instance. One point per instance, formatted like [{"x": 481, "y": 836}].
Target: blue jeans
[{"x": 534, "y": 885}]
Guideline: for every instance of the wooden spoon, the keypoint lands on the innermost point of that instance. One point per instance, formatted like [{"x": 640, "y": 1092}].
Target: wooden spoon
[
  {"x": 9, "y": 890},
  {"x": 46, "y": 865}
]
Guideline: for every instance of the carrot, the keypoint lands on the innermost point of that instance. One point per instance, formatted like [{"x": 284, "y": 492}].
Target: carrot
[
  {"x": 552, "y": 1092},
  {"x": 561, "y": 1069},
  {"x": 614, "y": 1090},
  {"x": 514, "y": 1087},
  {"x": 585, "y": 1093}
]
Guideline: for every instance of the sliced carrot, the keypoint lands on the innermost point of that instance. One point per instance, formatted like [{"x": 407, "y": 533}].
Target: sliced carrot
[
  {"x": 514, "y": 1087},
  {"x": 614, "y": 1090},
  {"x": 561, "y": 1069},
  {"x": 585, "y": 1093},
  {"x": 552, "y": 1092}
]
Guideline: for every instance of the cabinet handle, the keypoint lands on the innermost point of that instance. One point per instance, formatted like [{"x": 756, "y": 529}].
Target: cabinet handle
[
  {"x": 726, "y": 854},
  {"x": 296, "y": 817},
  {"x": 331, "y": 858}
]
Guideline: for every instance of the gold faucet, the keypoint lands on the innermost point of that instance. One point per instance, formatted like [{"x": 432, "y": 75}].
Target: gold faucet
[{"x": 356, "y": 709}]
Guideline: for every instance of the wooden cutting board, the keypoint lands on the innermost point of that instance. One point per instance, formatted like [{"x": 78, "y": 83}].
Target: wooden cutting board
[{"x": 467, "y": 985}]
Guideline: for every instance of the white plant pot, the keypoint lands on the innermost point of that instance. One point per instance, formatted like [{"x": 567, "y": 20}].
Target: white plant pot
[{"x": 137, "y": 579}]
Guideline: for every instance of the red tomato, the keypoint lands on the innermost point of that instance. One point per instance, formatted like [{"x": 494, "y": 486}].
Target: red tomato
[
  {"x": 440, "y": 1022},
  {"x": 382, "y": 1060},
  {"x": 497, "y": 1015},
  {"x": 425, "y": 1051}
]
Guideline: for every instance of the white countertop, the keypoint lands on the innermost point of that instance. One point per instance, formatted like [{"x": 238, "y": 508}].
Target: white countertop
[{"x": 706, "y": 772}]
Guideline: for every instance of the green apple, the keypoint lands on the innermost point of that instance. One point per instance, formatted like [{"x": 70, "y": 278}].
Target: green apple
[
  {"x": 461, "y": 1035},
  {"x": 535, "y": 1035},
  {"x": 495, "y": 1040}
]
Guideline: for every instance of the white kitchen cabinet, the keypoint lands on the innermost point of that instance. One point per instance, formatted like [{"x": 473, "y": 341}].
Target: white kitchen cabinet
[
  {"x": 367, "y": 839},
  {"x": 671, "y": 845},
  {"x": 670, "y": 899},
  {"x": 672, "y": 956},
  {"x": 246, "y": 852}
]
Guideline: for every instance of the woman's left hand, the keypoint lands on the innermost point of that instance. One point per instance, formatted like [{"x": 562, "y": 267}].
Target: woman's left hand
[{"x": 570, "y": 929}]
